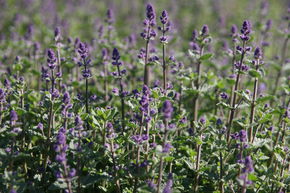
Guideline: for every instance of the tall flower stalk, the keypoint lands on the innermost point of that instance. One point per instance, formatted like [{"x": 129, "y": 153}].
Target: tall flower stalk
[
  {"x": 198, "y": 43},
  {"x": 163, "y": 39},
  {"x": 167, "y": 111},
  {"x": 116, "y": 57},
  {"x": 148, "y": 34},
  {"x": 57, "y": 38},
  {"x": 258, "y": 57},
  {"x": 245, "y": 32},
  {"x": 60, "y": 148},
  {"x": 51, "y": 61},
  {"x": 83, "y": 52}
]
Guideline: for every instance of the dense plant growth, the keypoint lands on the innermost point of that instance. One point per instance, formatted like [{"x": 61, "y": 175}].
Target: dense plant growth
[{"x": 95, "y": 108}]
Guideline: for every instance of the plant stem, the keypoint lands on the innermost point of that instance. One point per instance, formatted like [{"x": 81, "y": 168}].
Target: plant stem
[
  {"x": 115, "y": 168},
  {"x": 122, "y": 99},
  {"x": 106, "y": 82},
  {"x": 50, "y": 120},
  {"x": 253, "y": 105},
  {"x": 283, "y": 55},
  {"x": 146, "y": 68},
  {"x": 232, "y": 112},
  {"x": 164, "y": 64},
  {"x": 58, "y": 64},
  {"x": 197, "y": 84},
  {"x": 160, "y": 173}
]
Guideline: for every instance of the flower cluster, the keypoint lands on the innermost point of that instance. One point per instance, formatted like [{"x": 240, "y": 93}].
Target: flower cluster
[
  {"x": 145, "y": 103},
  {"x": 165, "y": 26},
  {"x": 149, "y": 23}
]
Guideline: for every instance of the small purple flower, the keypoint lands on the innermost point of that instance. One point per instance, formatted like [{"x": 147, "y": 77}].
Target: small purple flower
[
  {"x": 224, "y": 95},
  {"x": 234, "y": 30},
  {"x": 204, "y": 30},
  {"x": 72, "y": 173},
  {"x": 13, "y": 116},
  {"x": 167, "y": 109},
  {"x": 258, "y": 53},
  {"x": 66, "y": 98},
  {"x": 12, "y": 190},
  {"x": 166, "y": 148},
  {"x": 40, "y": 126},
  {"x": 51, "y": 59},
  {"x": 115, "y": 91},
  {"x": 202, "y": 120},
  {"x": 151, "y": 184},
  {"x": 243, "y": 136},
  {"x": 83, "y": 50},
  {"x": 169, "y": 184}
]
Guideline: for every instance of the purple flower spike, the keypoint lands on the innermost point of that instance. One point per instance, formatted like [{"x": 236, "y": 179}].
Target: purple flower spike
[
  {"x": 150, "y": 13},
  {"x": 13, "y": 116},
  {"x": 169, "y": 184},
  {"x": 204, "y": 30},
  {"x": 246, "y": 28},
  {"x": 258, "y": 53},
  {"x": 167, "y": 109},
  {"x": 51, "y": 59},
  {"x": 83, "y": 50},
  {"x": 243, "y": 136}
]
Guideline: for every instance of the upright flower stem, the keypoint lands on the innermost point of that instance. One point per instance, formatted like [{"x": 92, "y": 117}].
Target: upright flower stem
[
  {"x": 221, "y": 184},
  {"x": 197, "y": 85},
  {"x": 163, "y": 61},
  {"x": 1, "y": 109},
  {"x": 146, "y": 68},
  {"x": 160, "y": 172},
  {"x": 283, "y": 56},
  {"x": 122, "y": 98},
  {"x": 253, "y": 105},
  {"x": 50, "y": 120},
  {"x": 115, "y": 166},
  {"x": 87, "y": 86},
  {"x": 232, "y": 112},
  {"x": 23, "y": 132},
  {"x": 58, "y": 64},
  {"x": 106, "y": 83}
]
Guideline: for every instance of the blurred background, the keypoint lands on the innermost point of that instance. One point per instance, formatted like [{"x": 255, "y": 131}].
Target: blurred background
[{"x": 82, "y": 18}]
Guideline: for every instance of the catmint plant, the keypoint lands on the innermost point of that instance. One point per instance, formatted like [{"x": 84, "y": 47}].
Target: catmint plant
[
  {"x": 86, "y": 73},
  {"x": 60, "y": 148},
  {"x": 164, "y": 40},
  {"x": 167, "y": 111},
  {"x": 239, "y": 68},
  {"x": 257, "y": 63},
  {"x": 148, "y": 34},
  {"x": 120, "y": 73}
]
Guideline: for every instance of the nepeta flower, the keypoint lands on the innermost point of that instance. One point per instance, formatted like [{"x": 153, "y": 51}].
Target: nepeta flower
[
  {"x": 110, "y": 16},
  {"x": 83, "y": 50},
  {"x": 149, "y": 22},
  {"x": 204, "y": 30},
  {"x": 243, "y": 136},
  {"x": 234, "y": 30},
  {"x": 57, "y": 34},
  {"x": 167, "y": 109},
  {"x": 246, "y": 30},
  {"x": 169, "y": 184},
  {"x": 258, "y": 53},
  {"x": 116, "y": 57},
  {"x": 13, "y": 116},
  {"x": 224, "y": 95},
  {"x": 166, "y": 148},
  {"x": 51, "y": 59}
]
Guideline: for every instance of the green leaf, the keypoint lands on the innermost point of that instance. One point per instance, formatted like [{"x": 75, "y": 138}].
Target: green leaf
[
  {"x": 206, "y": 56},
  {"x": 264, "y": 99},
  {"x": 254, "y": 73}
]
